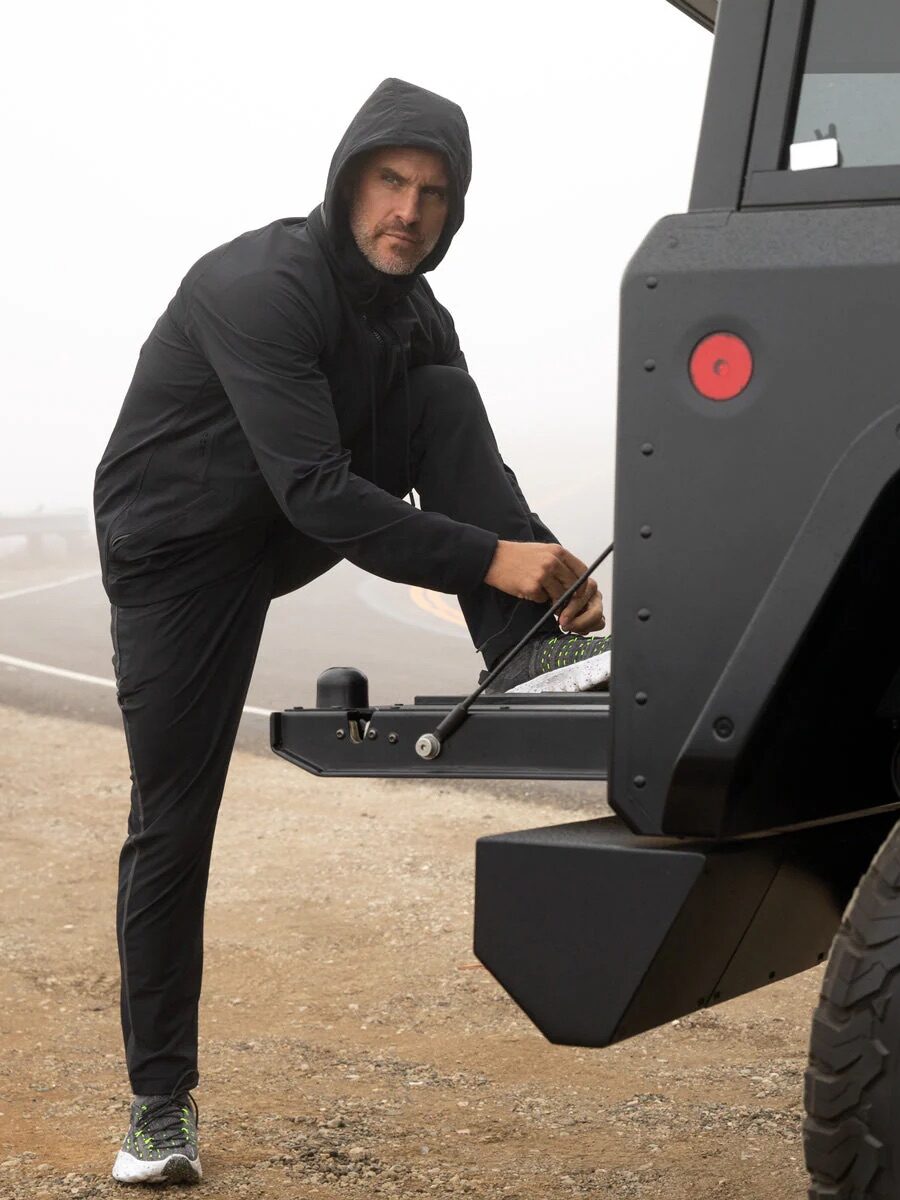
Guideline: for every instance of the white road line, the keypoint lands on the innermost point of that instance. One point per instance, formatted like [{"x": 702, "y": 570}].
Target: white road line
[
  {"x": 22, "y": 664},
  {"x": 45, "y": 587}
]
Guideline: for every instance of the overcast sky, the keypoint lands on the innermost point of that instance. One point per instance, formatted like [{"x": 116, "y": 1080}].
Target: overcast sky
[{"x": 136, "y": 136}]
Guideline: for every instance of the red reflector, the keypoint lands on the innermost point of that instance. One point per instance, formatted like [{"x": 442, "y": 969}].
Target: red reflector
[{"x": 721, "y": 366}]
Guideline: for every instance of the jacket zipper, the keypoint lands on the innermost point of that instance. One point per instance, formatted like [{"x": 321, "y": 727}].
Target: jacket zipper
[{"x": 375, "y": 332}]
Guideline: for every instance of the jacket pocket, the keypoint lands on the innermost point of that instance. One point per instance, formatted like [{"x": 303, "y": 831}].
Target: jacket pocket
[{"x": 171, "y": 531}]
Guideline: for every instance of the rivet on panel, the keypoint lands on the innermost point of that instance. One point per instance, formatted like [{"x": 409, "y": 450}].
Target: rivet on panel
[
  {"x": 643, "y": 614},
  {"x": 647, "y": 449},
  {"x": 646, "y": 531},
  {"x": 652, "y": 282},
  {"x": 640, "y": 698},
  {"x": 639, "y": 781},
  {"x": 650, "y": 364}
]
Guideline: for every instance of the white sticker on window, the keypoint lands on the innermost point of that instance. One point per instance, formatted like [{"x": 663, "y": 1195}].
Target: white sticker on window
[{"x": 812, "y": 156}]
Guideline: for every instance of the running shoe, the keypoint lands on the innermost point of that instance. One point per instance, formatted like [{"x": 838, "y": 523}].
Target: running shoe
[
  {"x": 161, "y": 1143},
  {"x": 556, "y": 662}
]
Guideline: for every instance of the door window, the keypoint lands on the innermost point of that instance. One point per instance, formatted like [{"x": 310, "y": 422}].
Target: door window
[{"x": 849, "y": 107}]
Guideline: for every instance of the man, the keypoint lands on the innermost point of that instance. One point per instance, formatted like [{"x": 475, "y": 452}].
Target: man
[{"x": 302, "y": 381}]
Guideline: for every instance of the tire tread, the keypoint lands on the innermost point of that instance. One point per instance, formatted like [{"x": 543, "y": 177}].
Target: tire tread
[{"x": 851, "y": 1059}]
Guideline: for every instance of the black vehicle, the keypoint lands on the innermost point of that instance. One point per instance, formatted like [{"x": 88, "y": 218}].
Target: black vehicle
[{"x": 750, "y": 735}]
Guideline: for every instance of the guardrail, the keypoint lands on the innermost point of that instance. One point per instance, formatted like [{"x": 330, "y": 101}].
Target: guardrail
[
  {"x": 29, "y": 524},
  {"x": 73, "y": 528}
]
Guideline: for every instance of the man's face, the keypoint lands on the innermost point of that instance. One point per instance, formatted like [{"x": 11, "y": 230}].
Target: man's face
[{"x": 399, "y": 207}]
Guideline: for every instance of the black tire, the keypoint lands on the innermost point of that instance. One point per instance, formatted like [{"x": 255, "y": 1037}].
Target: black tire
[{"x": 851, "y": 1134}]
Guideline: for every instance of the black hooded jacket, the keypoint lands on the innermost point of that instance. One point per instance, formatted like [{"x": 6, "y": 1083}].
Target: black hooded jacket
[{"x": 256, "y": 396}]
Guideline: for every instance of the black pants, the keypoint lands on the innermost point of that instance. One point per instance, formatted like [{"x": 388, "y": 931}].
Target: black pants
[{"x": 183, "y": 668}]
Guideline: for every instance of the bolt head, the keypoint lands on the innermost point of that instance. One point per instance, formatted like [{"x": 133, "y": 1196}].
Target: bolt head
[
  {"x": 428, "y": 747},
  {"x": 723, "y": 727}
]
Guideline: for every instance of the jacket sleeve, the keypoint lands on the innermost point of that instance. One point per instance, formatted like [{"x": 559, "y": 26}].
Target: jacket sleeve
[
  {"x": 263, "y": 341},
  {"x": 454, "y": 357}
]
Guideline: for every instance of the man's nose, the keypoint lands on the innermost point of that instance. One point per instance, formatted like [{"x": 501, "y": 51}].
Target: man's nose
[{"x": 408, "y": 208}]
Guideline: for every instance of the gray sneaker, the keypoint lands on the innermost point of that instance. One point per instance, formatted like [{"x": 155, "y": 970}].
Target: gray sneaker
[
  {"x": 161, "y": 1143},
  {"x": 557, "y": 662}
]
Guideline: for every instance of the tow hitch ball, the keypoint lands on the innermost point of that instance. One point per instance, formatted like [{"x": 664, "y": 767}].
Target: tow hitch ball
[{"x": 347, "y": 688}]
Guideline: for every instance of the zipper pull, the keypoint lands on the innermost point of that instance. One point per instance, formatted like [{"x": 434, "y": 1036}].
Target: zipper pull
[{"x": 374, "y": 332}]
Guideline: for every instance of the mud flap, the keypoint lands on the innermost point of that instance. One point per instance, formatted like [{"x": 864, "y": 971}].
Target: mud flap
[{"x": 598, "y": 934}]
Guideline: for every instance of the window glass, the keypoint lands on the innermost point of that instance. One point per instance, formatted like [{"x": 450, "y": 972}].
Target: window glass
[{"x": 850, "y": 94}]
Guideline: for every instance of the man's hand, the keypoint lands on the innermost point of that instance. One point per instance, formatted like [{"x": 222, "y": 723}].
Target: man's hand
[
  {"x": 589, "y": 618},
  {"x": 541, "y": 571}
]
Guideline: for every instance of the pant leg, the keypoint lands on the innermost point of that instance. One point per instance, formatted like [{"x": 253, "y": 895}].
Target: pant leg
[
  {"x": 183, "y": 668},
  {"x": 457, "y": 469}
]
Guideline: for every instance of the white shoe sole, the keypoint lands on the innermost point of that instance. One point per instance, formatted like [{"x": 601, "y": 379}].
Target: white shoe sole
[
  {"x": 177, "y": 1168},
  {"x": 586, "y": 676}
]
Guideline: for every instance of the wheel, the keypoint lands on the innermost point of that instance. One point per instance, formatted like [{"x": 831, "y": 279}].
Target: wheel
[{"x": 851, "y": 1133}]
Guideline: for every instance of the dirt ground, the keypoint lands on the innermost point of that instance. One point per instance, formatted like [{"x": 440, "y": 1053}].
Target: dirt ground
[{"x": 350, "y": 1044}]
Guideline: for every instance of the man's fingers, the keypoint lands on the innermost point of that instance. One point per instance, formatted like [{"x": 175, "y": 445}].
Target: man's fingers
[
  {"x": 586, "y": 618},
  {"x": 554, "y": 587},
  {"x": 591, "y": 620},
  {"x": 573, "y": 562},
  {"x": 570, "y": 614},
  {"x": 577, "y": 604},
  {"x": 586, "y": 624},
  {"x": 580, "y": 600},
  {"x": 565, "y": 577},
  {"x": 569, "y": 569}
]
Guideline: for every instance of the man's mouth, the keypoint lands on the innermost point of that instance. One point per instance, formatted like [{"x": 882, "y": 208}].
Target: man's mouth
[{"x": 402, "y": 237}]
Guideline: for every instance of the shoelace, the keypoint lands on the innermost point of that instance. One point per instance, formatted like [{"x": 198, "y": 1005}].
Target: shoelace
[{"x": 162, "y": 1121}]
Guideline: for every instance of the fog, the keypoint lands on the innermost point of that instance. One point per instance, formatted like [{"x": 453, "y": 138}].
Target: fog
[{"x": 138, "y": 136}]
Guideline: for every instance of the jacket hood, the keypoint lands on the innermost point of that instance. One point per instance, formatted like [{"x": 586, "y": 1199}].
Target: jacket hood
[{"x": 396, "y": 114}]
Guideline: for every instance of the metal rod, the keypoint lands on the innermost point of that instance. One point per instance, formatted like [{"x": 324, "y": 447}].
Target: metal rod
[{"x": 429, "y": 744}]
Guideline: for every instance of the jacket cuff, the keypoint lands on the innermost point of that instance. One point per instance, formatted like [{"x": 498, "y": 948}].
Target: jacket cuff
[{"x": 474, "y": 556}]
